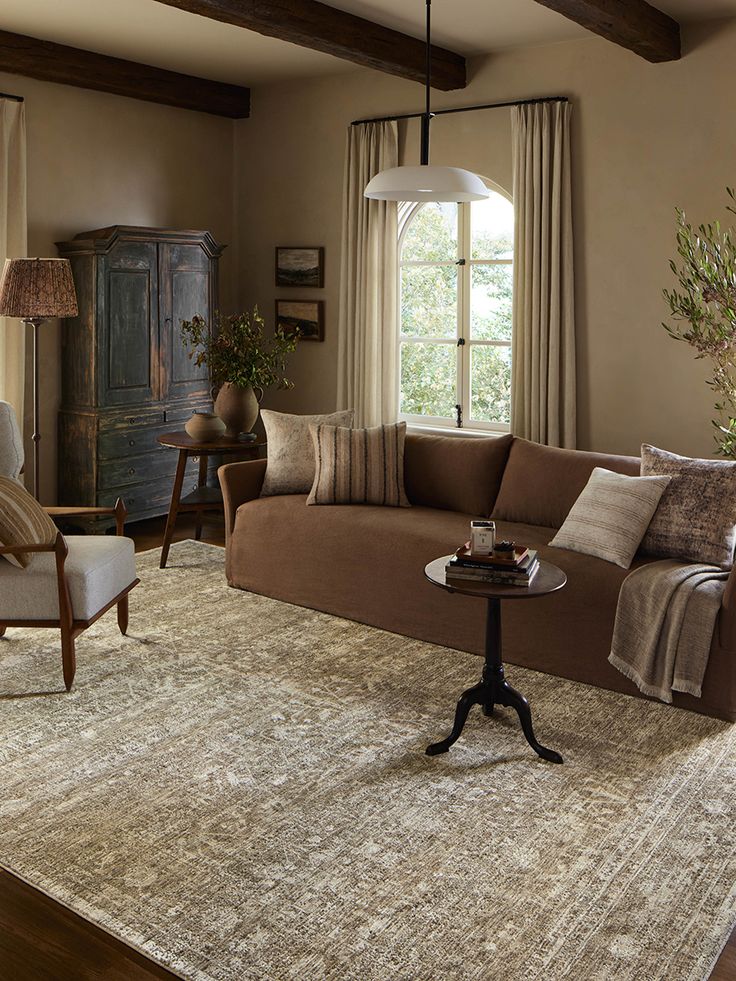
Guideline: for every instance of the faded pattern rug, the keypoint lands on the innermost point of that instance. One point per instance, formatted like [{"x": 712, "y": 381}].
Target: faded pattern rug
[{"x": 239, "y": 789}]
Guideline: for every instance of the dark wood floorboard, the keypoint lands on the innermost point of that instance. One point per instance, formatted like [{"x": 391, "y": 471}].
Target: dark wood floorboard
[{"x": 40, "y": 940}]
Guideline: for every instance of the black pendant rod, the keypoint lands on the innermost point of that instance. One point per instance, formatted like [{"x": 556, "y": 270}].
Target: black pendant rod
[
  {"x": 447, "y": 112},
  {"x": 427, "y": 117},
  {"x": 13, "y": 98}
]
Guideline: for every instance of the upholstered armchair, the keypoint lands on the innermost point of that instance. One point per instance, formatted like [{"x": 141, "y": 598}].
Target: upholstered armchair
[{"x": 70, "y": 584}]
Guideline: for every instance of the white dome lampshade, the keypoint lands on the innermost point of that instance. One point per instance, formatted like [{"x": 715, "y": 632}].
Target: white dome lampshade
[{"x": 426, "y": 183}]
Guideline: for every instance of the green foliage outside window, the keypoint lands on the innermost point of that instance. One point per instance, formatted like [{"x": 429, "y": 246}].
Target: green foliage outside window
[{"x": 429, "y": 308}]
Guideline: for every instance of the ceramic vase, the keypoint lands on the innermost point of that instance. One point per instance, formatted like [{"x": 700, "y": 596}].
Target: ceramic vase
[
  {"x": 238, "y": 408},
  {"x": 204, "y": 426}
]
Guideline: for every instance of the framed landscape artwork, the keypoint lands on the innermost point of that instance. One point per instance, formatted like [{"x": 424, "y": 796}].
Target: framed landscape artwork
[
  {"x": 300, "y": 266},
  {"x": 305, "y": 316}
]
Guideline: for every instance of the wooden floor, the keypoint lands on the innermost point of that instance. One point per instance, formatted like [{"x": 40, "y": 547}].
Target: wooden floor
[{"x": 41, "y": 940}]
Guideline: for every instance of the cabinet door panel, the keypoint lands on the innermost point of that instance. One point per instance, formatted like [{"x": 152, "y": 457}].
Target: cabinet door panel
[
  {"x": 186, "y": 290},
  {"x": 129, "y": 354}
]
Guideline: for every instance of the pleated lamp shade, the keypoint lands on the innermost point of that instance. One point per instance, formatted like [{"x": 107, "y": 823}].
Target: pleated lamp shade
[{"x": 37, "y": 288}]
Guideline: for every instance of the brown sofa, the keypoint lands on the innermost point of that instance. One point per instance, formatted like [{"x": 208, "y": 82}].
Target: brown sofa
[{"x": 366, "y": 563}]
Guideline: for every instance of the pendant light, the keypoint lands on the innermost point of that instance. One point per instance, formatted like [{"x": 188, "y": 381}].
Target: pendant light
[{"x": 426, "y": 183}]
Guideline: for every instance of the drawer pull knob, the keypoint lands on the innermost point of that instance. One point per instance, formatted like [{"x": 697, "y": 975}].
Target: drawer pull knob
[
  {"x": 131, "y": 442},
  {"x": 131, "y": 471},
  {"x": 132, "y": 420}
]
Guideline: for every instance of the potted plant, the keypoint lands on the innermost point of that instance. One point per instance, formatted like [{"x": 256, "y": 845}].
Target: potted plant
[
  {"x": 705, "y": 306},
  {"x": 241, "y": 362}
]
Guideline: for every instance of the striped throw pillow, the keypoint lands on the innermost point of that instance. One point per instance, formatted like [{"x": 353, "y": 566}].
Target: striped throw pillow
[
  {"x": 22, "y": 521},
  {"x": 611, "y": 516},
  {"x": 359, "y": 466}
]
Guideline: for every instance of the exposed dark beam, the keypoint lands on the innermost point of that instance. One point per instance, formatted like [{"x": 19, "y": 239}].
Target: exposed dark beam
[
  {"x": 634, "y": 24},
  {"x": 51, "y": 62},
  {"x": 311, "y": 24}
]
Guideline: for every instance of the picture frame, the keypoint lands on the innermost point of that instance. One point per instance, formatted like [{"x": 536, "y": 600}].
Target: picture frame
[
  {"x": 306, "y": 316},
  {"x": 300, "y": 266}
]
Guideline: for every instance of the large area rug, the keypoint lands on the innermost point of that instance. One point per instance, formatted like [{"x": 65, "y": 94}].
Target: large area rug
[{"x": 239, "y": 789}]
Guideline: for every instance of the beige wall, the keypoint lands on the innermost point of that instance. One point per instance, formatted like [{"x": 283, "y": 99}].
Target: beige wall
[
  {"x": 646, "y": 138},
  {"x": 97, "y": 160}
]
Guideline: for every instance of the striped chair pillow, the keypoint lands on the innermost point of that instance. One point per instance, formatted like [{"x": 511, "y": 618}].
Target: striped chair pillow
[
  {"x": 359, "y": 466},
  {"x": 22, "y": 521}
]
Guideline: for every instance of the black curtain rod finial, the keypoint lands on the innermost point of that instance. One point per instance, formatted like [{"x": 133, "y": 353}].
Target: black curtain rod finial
[{"x": 12, "y": 98}]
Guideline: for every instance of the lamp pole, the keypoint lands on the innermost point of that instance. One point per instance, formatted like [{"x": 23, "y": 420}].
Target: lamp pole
[{"x": 35, "y": 323}]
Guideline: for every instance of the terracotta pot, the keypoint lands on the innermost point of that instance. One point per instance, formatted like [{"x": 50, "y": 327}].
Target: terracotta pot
[
  {"x": 204, "y": 426},
  {"x": 238, "y": 408}
]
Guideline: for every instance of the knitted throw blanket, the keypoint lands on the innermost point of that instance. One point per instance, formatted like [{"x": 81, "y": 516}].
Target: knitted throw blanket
[{"x": 665, "y": 619}]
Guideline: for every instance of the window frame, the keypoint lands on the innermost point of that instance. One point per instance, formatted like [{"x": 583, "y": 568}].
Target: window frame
[{"x": 464, "y": 264}]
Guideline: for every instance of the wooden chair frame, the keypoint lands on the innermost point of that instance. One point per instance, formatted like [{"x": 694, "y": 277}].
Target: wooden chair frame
[{"x": 69, "y": 627}]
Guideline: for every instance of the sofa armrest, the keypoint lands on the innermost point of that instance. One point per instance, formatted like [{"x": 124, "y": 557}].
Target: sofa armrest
[
  {"x": 727, "y": 616},
  {"x": 240, "y": 482}
]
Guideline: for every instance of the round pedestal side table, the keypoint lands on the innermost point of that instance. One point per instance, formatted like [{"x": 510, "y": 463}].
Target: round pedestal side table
[
  {"x": 203, "y": 498},
  {"x": 493, "y": 689}
]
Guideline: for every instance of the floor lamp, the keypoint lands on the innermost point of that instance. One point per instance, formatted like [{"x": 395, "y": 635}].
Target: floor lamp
[{"x": 35, "y": 290}]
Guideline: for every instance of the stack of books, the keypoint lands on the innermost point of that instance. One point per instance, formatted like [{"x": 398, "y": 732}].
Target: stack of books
[{"x": 517, "y": 571}]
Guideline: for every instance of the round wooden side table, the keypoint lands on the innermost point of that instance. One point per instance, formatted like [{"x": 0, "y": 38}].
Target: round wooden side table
[
  {"x": 493, "y": 689},
  {"x": 204, "y": 498}
]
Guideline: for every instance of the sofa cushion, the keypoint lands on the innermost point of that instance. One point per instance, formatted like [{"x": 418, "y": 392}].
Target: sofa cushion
[
  {"x": 541, "y": 483},
  {"x": 610, "y": 517},
  {"x": 98, "y": 568},
  {"x": 455, "y": 473},
  {"x": 359, "y": 466},
  {"x": 696, "y": 518},
  {"x": 22, "y": 522},
  {"x": 290, "y": 468}
]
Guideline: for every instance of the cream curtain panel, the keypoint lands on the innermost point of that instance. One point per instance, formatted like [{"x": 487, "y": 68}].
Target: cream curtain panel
[
  {"x": 543, "y": 400},
  {"x": 368, "y": 318},
  {"x": 13, "y": 243}
]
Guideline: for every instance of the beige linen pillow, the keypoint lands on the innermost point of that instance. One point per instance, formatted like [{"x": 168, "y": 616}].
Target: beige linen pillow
[
  {"x": 359, "y": 466},
  {"x": 696, "y": 518},
  {"x": 22, "y": 521},
  {"x": 611, "y": 515},
  {"x": 290, "y": 453}
]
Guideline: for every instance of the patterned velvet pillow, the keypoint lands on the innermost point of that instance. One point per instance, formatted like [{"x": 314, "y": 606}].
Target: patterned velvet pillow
[
  {"x": 22, "y": 521},
  {"x": 290, "y": 467},
  {"x": 696, "y": 518},
  {"x": 359, "y": 466},
  {"x": 610, "y": 517}
]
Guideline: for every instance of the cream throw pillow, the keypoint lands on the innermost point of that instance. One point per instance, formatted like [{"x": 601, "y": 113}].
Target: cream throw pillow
[
  {"x": 696, "y": 518},
  {"x": 359, "y": 466},
  {"x": 290, "y": 467},
  {"x": 22, "y": 521},
  {"x": 611, "y": 516}
]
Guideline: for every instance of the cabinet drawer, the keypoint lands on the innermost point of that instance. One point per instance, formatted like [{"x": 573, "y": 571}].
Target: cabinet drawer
[
  {"x": 134, "y": 469},
  {"x": 121, "y": 444},
  {"x": 123, "y": 421},
  {"x": 181, "y": 413}
]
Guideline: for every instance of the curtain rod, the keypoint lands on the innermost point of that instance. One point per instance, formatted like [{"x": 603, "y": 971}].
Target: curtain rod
[
  {"x": 13, "y": 98},
  {"x": 445, "y": 112}
]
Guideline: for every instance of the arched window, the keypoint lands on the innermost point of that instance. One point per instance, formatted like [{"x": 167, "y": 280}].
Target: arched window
[{"x": 455, "y": 312}]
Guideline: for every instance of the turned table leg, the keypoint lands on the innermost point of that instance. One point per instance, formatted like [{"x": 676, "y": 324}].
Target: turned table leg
[{"x": 174, "y": 506}]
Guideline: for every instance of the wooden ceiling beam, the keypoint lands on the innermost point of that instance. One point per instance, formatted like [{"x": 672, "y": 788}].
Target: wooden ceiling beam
[
  {"x": 634, "y": 24},
  {"x": 51, "y": 62},
  {"x": 315, "y": 25}
]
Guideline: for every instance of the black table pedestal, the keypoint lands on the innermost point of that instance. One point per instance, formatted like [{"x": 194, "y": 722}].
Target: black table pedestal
[{"x": 491, "y": 690}]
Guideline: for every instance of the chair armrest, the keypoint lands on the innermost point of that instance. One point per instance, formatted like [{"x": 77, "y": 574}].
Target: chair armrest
[
  {"x": 119, "y": 511},
  {"x": 727, "y": 616},
  {"x": 240, "y": 482},
  {"x": 20, "y": 549}
]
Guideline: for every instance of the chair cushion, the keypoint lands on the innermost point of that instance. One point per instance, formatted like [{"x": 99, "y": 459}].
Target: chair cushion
[
  {"x": 455, "y": 473},
  {"x": 11, "y": 443},
  {"x": 541, "y": 483},
  {"x": 359, "y": 466},
  {"x": 290, "y": 468},
  {"x": 610, "y": 517},
  {"x": 98, "y": 568},
  {"x": 22, "y": 522},
  {"x": 696, "y": 518}
]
